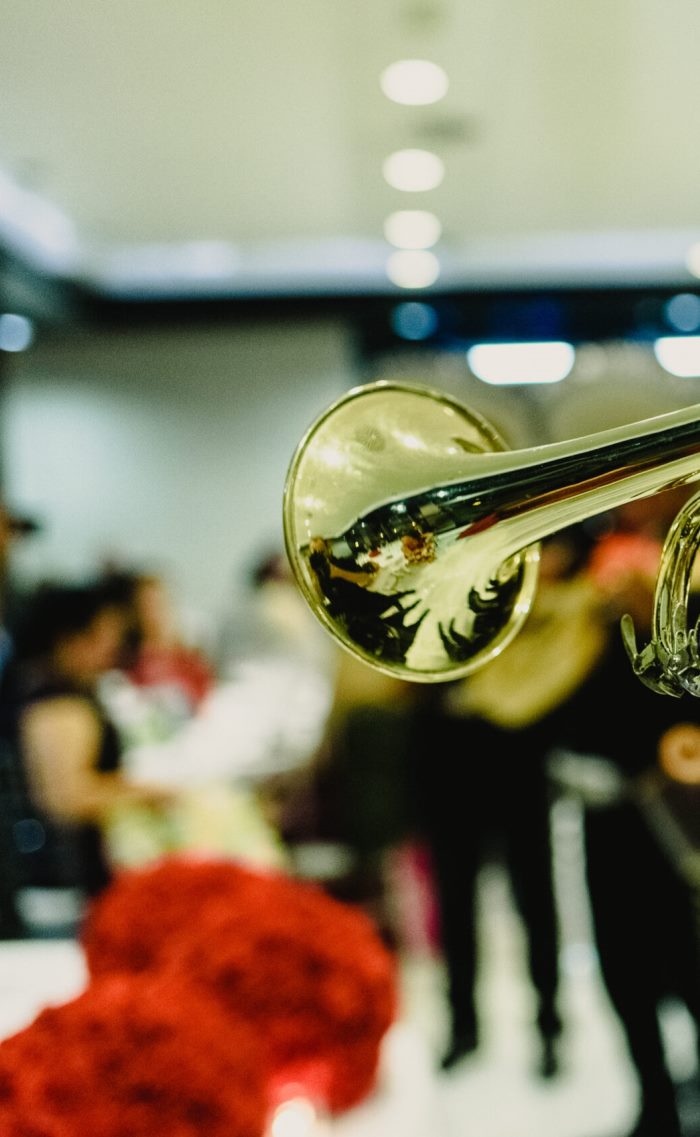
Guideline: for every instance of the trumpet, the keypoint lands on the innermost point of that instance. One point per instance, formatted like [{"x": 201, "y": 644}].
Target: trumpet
[{"x": 414, "y": 533}]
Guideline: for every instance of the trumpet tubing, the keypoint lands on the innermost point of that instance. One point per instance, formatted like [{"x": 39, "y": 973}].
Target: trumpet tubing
[{"x": 413, "y": 532}]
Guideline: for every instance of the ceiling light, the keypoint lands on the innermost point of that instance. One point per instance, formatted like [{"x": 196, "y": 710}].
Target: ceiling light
[
  {"x": 692, "y": 259},
  {"x": 412, "y": 229},
  {"x": 16, "y": 332},
  {"x": 414, "y": 82},
  {"x": 411, "y": 268},
  {"x": 414, "y": 321},
  {"x": 505, "y": 363},
  {"x": 413, "y": 170},
  {"x": 679, "y": 355},
  {"x": 683, "y": 311}
]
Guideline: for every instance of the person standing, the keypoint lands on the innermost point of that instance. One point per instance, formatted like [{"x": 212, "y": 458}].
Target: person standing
[
  {"x": 484, "y": 791},
  {"x": 12, "y": 527}
]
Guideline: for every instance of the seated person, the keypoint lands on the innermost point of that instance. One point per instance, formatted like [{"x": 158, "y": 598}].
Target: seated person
[{"x": 67, "y": 751}]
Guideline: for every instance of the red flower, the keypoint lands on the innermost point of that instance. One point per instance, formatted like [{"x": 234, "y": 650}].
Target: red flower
[
  {"x": 131, "y": 927},
  {"x": 309, "y": 973},
  {"x": 132, "y": 1057}
]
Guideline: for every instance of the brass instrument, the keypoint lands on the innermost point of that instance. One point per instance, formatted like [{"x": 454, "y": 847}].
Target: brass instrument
[{"x": 412, "y": 531}]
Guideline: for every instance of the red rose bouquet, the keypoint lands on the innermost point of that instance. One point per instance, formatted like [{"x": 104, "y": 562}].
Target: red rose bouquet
[
  {"x": 134, "y": 1056},
  {"x": 308, "y": 973},
  {"x": 134, "y": 924}
]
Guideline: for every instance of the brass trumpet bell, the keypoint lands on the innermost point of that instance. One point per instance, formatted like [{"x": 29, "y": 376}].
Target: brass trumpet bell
[
  {"x": 379, "y": 554},
  {"x": 413, "y": 532}
]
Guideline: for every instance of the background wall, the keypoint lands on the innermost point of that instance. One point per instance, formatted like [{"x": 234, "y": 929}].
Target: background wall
[
  {"x": 166, "y": 448},
  {"x": 169, "y": 448}
]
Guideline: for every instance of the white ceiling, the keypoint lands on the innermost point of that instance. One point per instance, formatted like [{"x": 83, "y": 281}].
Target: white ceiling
[{"x": 258, "y": 127}]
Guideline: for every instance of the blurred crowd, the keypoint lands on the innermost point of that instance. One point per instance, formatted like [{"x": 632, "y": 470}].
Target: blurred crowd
[{"x": 121, "y": 740}]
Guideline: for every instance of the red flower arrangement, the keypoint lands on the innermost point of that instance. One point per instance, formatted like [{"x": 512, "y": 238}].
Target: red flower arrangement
[
  {"x": 134, "y": 1056},
  {"x": 309, "y": 973}
]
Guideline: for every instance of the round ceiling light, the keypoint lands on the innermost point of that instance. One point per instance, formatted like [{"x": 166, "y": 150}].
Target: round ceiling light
[
  {"x": 413, "y": 268},
  {"x": 414, "y": 82},
  {"x": 412, "y": 229},
  {"x": 413, "y": 170}
]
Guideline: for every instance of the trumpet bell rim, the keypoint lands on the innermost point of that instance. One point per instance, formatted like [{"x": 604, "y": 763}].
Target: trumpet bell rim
[{"x": 523, "y": 567}]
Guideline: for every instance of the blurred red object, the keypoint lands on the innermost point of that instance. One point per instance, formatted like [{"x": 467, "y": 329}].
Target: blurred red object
[
  {"x": 141, "y": 1056},
  {"x": 308, "y": 972},
  {"x": 620, "y": 556},
  {"x": 181, "y": 668}
]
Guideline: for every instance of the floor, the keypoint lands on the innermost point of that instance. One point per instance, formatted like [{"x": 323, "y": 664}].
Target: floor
[{"x": 494, "y": 1093}]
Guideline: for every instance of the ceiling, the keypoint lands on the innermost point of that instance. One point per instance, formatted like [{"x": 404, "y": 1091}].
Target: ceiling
[{"x": 237, "y": 145}]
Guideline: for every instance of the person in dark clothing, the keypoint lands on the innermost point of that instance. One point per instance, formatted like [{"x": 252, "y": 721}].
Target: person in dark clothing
[
  {"x": 484, "y": 791},
  {"x": 12, "y": 527},
  {"x": 484, "y": 794},
  {"x": 642, "y": 909},
  {"x": 67, "y": 753}
]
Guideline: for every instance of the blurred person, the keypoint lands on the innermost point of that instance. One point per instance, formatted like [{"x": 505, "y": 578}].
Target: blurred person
[
  {"x": 483, "y": 791},
  {"x": 273, "y": 650},
  {"x": 242, "y": 750},
  {"x": 12, "y": 527},
  {"x": 340, "y": 805},
  {"x": 272, "y": 620},
  {"x": 641, "y": 907},
  {"x": 66, "y": 749},
  {"x": 160, "y": 682},
  {"x": 162, "y": 664},
  {"x": 361, "y": 783}
]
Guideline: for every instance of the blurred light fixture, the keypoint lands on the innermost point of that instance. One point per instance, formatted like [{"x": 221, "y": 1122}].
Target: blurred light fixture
[
  {"x": 37, "y": 227},
  {"x": 413, "y": 170},
  {"x": 683, "y": 311},
  {"x": 16, "y": 332},
  {"x": 692, "y": 259},
  {"x": 414, "y": 82},
  {"x": 679, "y": 355},
  {"x": 414, "y": 321},
  {"x": 504, "y": 363},
  {"x": 164, "y": 264},
  {"x": 413, "y": 268},
  {"x": 296, "y": 1117},
  {"x": 412, "y": 229}
]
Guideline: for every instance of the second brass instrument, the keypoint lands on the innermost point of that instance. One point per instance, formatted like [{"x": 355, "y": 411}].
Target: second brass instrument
[{"x": 413, "y": 533}]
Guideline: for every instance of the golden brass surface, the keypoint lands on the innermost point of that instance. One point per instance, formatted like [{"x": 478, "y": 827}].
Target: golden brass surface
[{"x": 412, "y": 531}]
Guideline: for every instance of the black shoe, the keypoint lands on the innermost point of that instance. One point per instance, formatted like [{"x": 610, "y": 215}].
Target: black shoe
[
  {"x": 13, "y": 930},
  {"x": 549, "y": 1059},
  {"x": 462, "y": 1044},
  {"x": 650, "y": 1127}
]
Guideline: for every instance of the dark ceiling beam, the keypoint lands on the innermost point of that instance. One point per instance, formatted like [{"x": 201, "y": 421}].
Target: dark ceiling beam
[{"x": 578, "y": 314}]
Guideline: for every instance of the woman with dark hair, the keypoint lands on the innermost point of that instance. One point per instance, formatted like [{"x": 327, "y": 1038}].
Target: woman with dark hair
[{"x": 68, "y": 752}]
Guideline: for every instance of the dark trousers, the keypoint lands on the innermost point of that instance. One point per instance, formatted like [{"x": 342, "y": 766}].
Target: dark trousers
[
  {"x": 10, "y": 920},
  {"x": 483, "y": 791},
  {"x": 644, "y": 929}
]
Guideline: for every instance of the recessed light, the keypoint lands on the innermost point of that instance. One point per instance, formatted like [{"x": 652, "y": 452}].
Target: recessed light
[
  {"x": 679, "y": 355},
  {"x": 414, "y": 82},
  {"x": 504, "y": 363},
  {"x": 412, "y": 229},
  {"x": 413, "y": 268},
  {"x": 16, "y": 332},
  {"x": 413, "y": 170}
]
